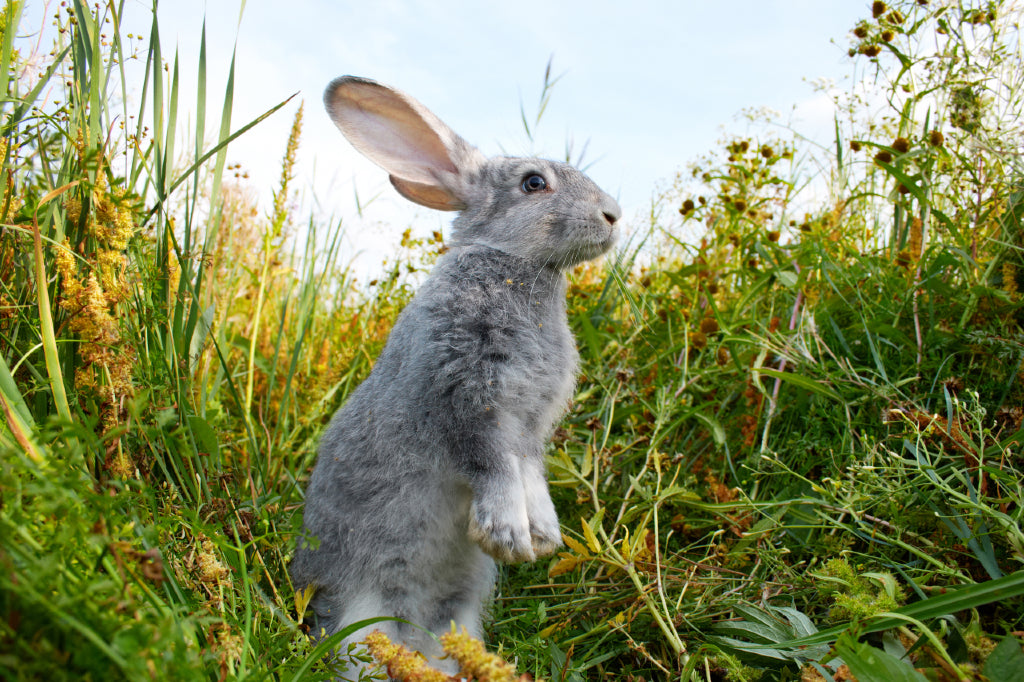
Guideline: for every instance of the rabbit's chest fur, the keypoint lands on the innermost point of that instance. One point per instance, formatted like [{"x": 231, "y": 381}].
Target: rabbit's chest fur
[{"x": 499, "y": 329}]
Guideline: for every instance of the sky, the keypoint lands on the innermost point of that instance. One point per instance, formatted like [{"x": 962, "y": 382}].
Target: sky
[{"x": 646, "y": 85}]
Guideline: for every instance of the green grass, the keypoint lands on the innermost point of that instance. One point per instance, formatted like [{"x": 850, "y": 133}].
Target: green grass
[{"x": 796, "y": 442}]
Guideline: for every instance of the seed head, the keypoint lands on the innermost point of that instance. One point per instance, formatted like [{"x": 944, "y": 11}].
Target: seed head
[{"x": 474, "y": 660}]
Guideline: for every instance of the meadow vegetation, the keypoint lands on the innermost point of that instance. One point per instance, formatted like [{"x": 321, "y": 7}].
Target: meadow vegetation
[{"x": 795, "y": 451}]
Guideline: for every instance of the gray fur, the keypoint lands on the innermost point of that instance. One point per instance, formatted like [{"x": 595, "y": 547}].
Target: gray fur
[{"x": 435, "y": 463}]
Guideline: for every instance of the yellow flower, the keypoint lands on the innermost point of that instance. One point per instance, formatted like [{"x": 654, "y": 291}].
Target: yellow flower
[
  {"x": 1010, "y": 278},
  {"x": 474, "y": 661},
  {"x": 401, "y": 663}
]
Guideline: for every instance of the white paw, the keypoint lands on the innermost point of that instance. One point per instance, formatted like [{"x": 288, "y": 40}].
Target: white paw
[
  {"x": 502, "y": 529},
  {"x": 545, "y": 533}
]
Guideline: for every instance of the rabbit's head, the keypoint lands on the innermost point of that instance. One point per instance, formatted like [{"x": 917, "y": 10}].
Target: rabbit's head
[{"x": 544, "y": 211}]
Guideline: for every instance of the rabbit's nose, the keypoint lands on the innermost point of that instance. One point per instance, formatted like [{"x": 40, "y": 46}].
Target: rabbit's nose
[{"x": 610, "y": 210}]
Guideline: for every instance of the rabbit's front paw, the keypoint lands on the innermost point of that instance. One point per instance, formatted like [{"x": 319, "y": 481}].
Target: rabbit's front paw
[
  {"x": 501, "y": 530},
  {"x": 545, "y": 533}
]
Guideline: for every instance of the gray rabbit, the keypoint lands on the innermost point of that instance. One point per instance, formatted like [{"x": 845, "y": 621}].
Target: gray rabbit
[{"x": 434, "y": 467}]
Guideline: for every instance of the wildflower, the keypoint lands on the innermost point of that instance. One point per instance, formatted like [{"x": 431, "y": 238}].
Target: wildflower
[
  {"x": 401, "y": 663},
  {"x": 211, "y": 570},
  {"x": 901, "y": 144},
  {"x": 883, "y": 157},
  {"x": 65, "y": 263},
  {"x": 870, "y": 50},
  {"x": 687, "y": 207},
  {"x": 887, "y": 36},
  {"x": 227, "y": 644},
  {"x": 894, "y": 17},
  {"x": 709, "y": 325},
  {"x": 280, "y": 213},
  {"x": 855, "y": 145},
  {"x": 1010, "y": 279},
  {"x": 878, "y": 9},
  {"x": 936, "y": 138},
  {"x": 861, "y": 31},
  {"x": 773, "y": 235},
  {"x": 767, "y": 152},
  {"x": 916, "y": 239},
  {"x": 474, "y": 661}
]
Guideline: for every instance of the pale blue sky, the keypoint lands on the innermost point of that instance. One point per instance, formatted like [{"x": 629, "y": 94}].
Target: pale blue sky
[{"x": 650, "y": 83}]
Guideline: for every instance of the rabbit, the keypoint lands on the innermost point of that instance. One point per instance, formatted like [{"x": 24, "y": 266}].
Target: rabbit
[{"x": 434, "y": 467}]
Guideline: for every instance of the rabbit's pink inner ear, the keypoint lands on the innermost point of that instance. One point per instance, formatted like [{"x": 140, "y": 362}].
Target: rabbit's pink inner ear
[
  {"x": 392, "y": 130},
  {"x": 431, "y": 196}
]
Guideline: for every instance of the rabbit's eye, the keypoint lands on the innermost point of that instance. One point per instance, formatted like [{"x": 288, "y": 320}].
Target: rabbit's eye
[{"x": 534, "y": 183}]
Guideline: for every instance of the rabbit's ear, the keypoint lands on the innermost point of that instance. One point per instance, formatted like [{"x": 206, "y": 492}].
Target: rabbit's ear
[{"x": 428, "y": 163}]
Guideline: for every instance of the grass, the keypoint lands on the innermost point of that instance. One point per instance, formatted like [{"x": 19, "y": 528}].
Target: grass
[{"x": 795, "y": 450}]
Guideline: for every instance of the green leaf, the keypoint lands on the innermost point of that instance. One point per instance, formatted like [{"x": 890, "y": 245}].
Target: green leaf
[
  {"x": 199, "y": 336},
  {"x": 869, "y": 664},
  {"x": 802, "y": 382},
  {"x": 717, "y": 431},
  {"x": 959, "y": 599},
  {"x": 1006, "y": 662},
  {"x": 788, "y": 278},
  {"x": 205, "y": 436}
]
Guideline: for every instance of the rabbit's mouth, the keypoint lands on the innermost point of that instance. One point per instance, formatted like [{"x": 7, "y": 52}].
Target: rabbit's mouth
[{"x": 597, "y": 242}]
